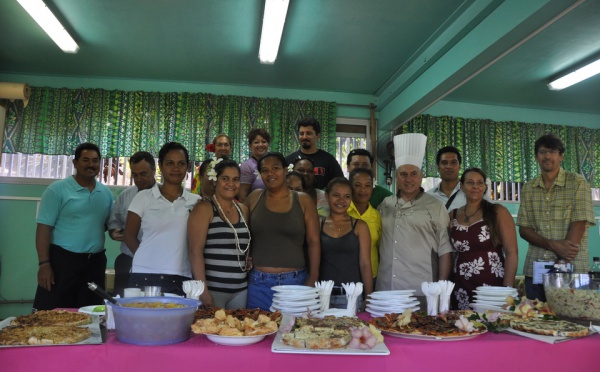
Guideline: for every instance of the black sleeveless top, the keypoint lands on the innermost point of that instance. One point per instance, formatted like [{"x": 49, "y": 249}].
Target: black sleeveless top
[{"x": 340, "y": 257}]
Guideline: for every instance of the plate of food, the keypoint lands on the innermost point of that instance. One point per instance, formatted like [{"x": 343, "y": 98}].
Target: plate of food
[
  {"x": 93, "y": 310},
  {"x": 451, "y": 326},
  {"x": 236, "y": 327},
  {"x": 50, "y": 327},
  {"x": 328, "y": 335},
  {"x": 237, "y": 340},
  {"x": 432, "y": 338},
  {"x": 550, "y": 331}
]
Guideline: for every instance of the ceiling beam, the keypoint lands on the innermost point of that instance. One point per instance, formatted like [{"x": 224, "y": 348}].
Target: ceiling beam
[
  {"x": 457, "y": 26},
  {"x": 509, "y": 24}
]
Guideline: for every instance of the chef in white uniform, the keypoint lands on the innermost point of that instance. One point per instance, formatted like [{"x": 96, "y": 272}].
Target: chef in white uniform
[{"x": 414, "y": 247}]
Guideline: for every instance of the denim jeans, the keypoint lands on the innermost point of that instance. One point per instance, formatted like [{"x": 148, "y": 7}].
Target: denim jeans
[{"x": 260, "y": 294}]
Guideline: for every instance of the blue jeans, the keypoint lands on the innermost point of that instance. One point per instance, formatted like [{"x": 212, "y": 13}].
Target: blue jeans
[
  {"x": 533, "y": 291},
  {"x": 260, "y": 294}
]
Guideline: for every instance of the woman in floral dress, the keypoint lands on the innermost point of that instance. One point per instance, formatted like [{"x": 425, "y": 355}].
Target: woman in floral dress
[{"x": 484, "y": 239}]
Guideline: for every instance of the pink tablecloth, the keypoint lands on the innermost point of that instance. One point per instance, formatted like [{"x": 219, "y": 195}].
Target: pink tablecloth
[{"x": 490, "y": 352}]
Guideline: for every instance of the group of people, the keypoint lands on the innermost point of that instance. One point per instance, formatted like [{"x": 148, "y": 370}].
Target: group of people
[{"x": 276, "y": 220}]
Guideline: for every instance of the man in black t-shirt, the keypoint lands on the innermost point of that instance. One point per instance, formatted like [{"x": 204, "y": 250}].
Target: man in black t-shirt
[{"x": 326, "y": 166}]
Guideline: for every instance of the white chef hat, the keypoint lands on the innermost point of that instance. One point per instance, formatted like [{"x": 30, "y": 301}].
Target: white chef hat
[{"x": 410, "y": 149}]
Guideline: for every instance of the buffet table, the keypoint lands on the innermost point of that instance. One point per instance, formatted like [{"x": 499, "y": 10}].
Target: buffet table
[{"x": 489, "y": 352}]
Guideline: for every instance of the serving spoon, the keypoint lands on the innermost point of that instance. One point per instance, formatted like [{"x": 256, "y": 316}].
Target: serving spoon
[{"x": 102, "y": 293}]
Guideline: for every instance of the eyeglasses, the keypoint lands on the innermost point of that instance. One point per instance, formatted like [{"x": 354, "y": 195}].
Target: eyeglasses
[{"x": 551, "y": 151}]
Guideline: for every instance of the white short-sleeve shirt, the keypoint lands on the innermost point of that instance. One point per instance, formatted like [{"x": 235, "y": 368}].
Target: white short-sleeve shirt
[{"x": 163, "y": 248}]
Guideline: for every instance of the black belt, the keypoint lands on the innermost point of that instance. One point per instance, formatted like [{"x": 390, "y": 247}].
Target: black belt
[
  {"x": 338, "y": 291},
  {"x": 76, "y": 254}
]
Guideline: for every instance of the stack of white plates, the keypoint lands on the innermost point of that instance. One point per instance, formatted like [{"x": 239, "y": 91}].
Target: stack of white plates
[
  {"x": 388, "y": 302},
  {"x": 492, "y": 298},
  {"x": 295, "y": 299}
]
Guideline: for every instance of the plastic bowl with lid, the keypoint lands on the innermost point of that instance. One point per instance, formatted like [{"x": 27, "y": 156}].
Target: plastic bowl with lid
[
  {"x": 154, "y": 325},
  {"x": 573, "y": 296}
]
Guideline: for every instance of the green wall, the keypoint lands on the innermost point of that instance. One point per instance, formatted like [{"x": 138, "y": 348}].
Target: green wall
[
  {"x": 18, "y": 271},
  {"x": 593, "y": 234}
]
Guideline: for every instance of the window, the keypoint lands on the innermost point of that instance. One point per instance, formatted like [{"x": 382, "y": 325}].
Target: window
[
  {"x": 351, "y": 134},
  {"x": 499, "y": 191},
  {"x": 38, "y": 168}
]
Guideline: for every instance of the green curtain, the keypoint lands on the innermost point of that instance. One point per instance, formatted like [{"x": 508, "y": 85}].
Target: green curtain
[
  {"x": 123, "y": 122},
  {"x": 505, "y": 150}
]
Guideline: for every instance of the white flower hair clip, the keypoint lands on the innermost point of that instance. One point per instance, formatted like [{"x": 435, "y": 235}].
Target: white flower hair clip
[
  {"x": 290, "y": 167},
  {"x": 212, "y": 173}
]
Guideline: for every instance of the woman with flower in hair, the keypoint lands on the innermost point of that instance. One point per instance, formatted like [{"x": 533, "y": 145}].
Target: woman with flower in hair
[
  {"x": 221, "y": 146},
  {"x": 258, "y": 141},
  {"x": 219, "y": 239},
  {"x": 206, "y": 189}
]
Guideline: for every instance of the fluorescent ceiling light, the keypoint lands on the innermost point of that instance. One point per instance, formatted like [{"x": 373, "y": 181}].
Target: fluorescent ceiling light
[
  {"x": 44, "y": 17},
  {"x": 270, "y": 37},
  {"x": 576, "y": 76}
]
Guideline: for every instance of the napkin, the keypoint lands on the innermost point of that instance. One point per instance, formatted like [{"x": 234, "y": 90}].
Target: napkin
[
  {"x": 193, "y": 288},
  {"x": 432, "y": 293},
  {"x": 325, "y": 288},
  {"x": 110, "y": 318},
  {"x": 353, "y": 291},
  {"x": 446, "y": 288}
]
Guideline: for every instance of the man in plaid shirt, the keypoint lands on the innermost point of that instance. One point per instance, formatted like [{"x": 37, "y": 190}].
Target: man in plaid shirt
[{"x": 555, "y": 214}]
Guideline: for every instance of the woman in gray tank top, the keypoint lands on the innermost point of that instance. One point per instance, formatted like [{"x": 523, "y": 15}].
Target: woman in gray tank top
[{"x": 281, "y": 221}]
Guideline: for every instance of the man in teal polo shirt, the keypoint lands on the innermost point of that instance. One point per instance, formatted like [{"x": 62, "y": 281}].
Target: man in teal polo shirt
[
  {"x": 70, "y": 235},
  {"x": 361, "y": 158}
]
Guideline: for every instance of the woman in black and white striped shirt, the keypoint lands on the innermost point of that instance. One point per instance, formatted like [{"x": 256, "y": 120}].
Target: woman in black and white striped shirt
[{"x": 218, "y": 240}]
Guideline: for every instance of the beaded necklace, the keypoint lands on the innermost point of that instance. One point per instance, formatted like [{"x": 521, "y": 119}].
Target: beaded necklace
[{"x": 237, "y": 240}]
